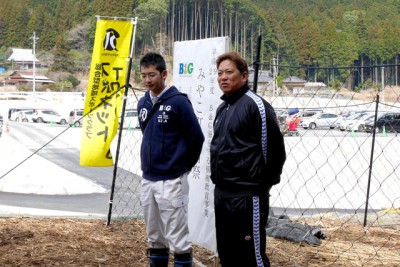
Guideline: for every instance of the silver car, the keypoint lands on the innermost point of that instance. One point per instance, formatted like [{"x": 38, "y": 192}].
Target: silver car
[{"x": 321, "y": 120}]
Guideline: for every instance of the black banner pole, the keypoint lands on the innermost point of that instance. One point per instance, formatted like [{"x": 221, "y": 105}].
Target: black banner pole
[
  {"x": 121, "y": 124},
  {"x": 257, "y": 64},
  {"x": 371, "y": 160}
]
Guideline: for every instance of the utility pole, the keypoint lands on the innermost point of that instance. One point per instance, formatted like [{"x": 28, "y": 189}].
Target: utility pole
[
  {"x": 34, "y": 67},
  {"x": 276, "y": 72},
  {"x": 383, "y": 84},
  {"x": 275, "y": 76}
]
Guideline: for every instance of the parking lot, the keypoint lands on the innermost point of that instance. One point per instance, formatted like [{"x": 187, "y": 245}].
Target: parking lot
[
  {"x": 336, "y": 160},
  {"x": 336, "y": 133}
]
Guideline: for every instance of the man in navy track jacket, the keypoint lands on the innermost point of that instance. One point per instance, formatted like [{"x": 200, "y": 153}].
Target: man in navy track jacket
[{"x": 247, "y": 156}]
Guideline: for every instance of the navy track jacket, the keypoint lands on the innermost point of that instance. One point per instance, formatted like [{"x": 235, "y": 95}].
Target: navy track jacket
[
  {"x": 247, "y": 149},
  {"x": 172, "y": 137}
]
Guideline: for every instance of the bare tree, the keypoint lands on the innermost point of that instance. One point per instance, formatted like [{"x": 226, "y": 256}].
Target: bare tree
[{"x": 78, "y": 36}]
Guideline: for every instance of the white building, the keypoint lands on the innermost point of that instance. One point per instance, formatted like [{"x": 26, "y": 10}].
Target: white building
[{"x": 23, "y": 58}]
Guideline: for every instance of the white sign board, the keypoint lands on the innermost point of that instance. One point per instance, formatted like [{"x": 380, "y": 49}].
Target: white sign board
[{"x": 195, "y": 73}]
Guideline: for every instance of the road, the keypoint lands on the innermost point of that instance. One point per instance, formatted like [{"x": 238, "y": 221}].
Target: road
[{"x": 60, "y": 145}]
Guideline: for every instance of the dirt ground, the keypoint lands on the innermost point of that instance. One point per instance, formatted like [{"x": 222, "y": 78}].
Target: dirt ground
[{"x": 26, "y": 241}]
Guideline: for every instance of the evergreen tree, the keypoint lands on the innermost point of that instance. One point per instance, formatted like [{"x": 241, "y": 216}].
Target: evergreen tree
[
  {"x": 16, "y": 18},
  {"x": 60, "y": 52}
]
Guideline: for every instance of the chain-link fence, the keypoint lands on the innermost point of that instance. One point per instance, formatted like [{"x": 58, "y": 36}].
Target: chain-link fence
[{"x": 341, "y": 173}]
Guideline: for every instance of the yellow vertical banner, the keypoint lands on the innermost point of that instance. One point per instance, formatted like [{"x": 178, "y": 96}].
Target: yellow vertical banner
[{"x": 103, "y": 102}]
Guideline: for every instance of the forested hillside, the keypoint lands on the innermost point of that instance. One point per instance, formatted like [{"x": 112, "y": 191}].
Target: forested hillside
[{"x": 323, "y": 33}]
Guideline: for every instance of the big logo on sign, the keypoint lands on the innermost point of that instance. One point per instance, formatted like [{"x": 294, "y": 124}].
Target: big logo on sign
[{"x": 185, "y": 68}]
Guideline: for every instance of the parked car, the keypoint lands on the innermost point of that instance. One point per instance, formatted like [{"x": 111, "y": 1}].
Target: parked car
[
  {"x": 321, "y": 120},
  {"x": 299, "y": 117},
  {"x": 341, "y": 125},
  {"x": 388, "y": 122},
  {"x": 357, "y": 124},
  {"x": 131, "y": 119},
  {"x": 22, "y": 116},
  {"x": 47, "y": 116},
  {"x": 14, "y": 113},
  {"x": 78, "y": 118},
  {"x": 351, "y": 113},
  {"x": 75, "y": 117},
  {"x": 1, "y": 124},
  {"x": 281, "y": 115}
]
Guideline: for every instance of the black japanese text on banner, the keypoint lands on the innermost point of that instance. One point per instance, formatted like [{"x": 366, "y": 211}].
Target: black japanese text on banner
[{"x": 104, "y": 95}]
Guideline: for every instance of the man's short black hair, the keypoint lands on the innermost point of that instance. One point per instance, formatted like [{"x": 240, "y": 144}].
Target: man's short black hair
[
  {"x": 236, "y": 58},
  {"x": 153, "y": 59}
]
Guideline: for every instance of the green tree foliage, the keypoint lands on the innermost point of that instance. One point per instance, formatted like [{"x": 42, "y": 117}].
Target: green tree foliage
[
  {"x": 64, "y": 85},
  {"x": 312, "y": 33},
  {"x": 309, "y": 41},
  {"x": 151, "y": 14},
  {"x": 74, "y": 81},
  {"x": 16, "y": 17},
  {"x": 60, "y": 53},
  {"x": 82, "y": 11},
  {"x": 111, "y": 8}
]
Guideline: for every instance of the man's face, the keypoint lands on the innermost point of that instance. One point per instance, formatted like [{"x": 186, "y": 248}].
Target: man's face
[
  {"x": 230, "y": 79},
  {"x": 152, "y": 79}
]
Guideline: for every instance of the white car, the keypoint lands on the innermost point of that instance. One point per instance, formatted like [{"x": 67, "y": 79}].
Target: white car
[
  {"x": 321, "y": 120},
  {"x": 1, "y": 124},
  {"x": 343, "y": 123},
  {"x": 47, "y": 116},
  {"x": 356, "y": 124},
  {"x": 22, "y": 116},
  {"x": 131, "y": 119}
]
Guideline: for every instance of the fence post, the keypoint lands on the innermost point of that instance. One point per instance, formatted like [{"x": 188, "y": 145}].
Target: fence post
[
  {"x": 257, "y": 64},
  {"x": 371, "y": 160}
]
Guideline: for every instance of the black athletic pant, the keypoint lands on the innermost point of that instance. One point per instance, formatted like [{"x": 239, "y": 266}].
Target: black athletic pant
[{"x": 240, "y": 228}]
